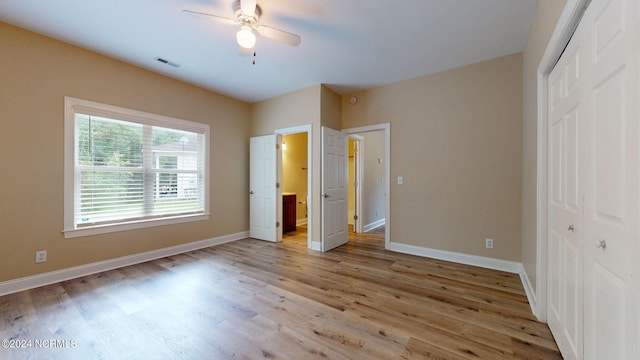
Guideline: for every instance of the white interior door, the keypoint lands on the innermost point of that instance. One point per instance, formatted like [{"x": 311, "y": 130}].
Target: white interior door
[
  {"x": 566, "y": 168},
  {"x": 264, "y": 188},
  {"x": 334, "y": 189},
  {"x": 594, "y": 100},
  {"x": 612, "y": 69}
]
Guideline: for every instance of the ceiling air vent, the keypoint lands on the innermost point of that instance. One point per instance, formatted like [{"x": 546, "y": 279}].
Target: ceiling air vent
[{"x": 167, "y": 62}]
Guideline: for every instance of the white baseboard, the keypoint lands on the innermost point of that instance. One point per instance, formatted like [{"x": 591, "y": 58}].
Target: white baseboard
[
  {"x": 301, "y": 222},
  {"x": 30, "y": 282},
  {"x": 474, "y": 260},
  {"x": 374, "y": 225},
  {"x": 530, "y": 291},
  {"x": 316, "y": 246}
]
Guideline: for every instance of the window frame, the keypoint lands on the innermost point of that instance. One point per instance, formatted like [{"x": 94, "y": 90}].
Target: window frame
[{"x": 74, "y": 105}]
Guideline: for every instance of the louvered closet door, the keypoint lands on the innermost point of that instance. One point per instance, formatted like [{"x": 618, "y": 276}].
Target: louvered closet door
[{"x": 566, "y": 167}]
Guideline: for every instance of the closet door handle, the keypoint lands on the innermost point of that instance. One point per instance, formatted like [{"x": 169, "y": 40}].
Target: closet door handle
[
  {"x": 571, "y": 228},
  {"x": 601, "y": 244}
]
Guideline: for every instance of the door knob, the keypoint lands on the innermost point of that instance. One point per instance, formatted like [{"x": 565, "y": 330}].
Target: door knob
[
  {"x": 601, "y": 244},
  {"x": 326, "y": 196},
  {"x": 571, "y": 228},
  {"x": 250, "y": 192}
]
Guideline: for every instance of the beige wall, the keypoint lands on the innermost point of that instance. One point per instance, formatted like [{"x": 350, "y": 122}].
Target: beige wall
[
  {"x": 317, "y": 106},
  {"x": 456, "y": 139},
  {"x": 295, "y": 170},
  {"x": 36, "y": 73},
  {"x": 301, "y": 107},
  {"x": 544, "y": 22},
  {"x": 331, "y": 108}
]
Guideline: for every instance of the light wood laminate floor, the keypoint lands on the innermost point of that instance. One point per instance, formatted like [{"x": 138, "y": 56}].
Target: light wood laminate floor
[{"x": 257, "y": 300}]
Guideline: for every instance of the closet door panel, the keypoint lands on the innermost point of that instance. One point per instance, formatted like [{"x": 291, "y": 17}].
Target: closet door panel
[
  {"x": 556, "y": 156},
  {"x": 594, "y": 183},
  {"x": 555, "y": 290},
  {"x": 609, "y": 201},
  {"x": 565, "y": 203},
  {"x": 608, "y": 315},
  {"x": 573, "y": 295},
  {"x": 573, "y": 159},
  {"x": 610, "y": 172}
]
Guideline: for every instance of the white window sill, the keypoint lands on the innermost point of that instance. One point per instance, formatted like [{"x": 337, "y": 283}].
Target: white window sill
[{"x": 109, "y": 228}]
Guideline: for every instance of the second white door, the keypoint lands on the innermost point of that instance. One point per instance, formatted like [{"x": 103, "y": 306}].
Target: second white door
[{"x": 334, "y": 189}]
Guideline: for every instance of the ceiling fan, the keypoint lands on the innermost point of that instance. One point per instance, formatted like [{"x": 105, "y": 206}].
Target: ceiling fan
[{"x": 247, "y": 15}]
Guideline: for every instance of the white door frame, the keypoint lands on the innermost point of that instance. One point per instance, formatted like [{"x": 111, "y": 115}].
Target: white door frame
[
  {"x": 309, "y": 130},
  {"x": 358, "y": 175},
  {"x": 386, "y": 127},
  {"x": 567, "y": 22}
]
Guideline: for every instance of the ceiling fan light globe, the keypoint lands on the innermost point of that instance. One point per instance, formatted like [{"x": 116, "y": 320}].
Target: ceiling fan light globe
[{"x": 246, "y": 38}]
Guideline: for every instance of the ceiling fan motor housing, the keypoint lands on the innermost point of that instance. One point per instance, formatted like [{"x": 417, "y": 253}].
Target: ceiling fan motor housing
[
  {"x": 246, "y": 20},
  {"x": 249, "y": 25}
]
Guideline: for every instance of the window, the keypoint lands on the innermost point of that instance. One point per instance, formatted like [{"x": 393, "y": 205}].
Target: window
[{"x": 126, "y": 169}]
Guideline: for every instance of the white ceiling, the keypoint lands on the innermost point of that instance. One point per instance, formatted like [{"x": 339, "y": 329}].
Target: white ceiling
[{"x": 349, "y": 45}]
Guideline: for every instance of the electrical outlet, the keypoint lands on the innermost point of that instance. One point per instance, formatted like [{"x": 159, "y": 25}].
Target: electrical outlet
[
  {"x": 488, "y": 243},
  {"x": 41, "y": 256}
]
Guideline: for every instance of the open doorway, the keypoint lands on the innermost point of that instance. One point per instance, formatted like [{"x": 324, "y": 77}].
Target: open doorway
[
  {"x": 356, "y": 144},
  {"x": 295, "y": 186},
  {"x": 295, "y": 169},
  {"x": 371, "y": 200},
  {"x": 367, "y": 190}
]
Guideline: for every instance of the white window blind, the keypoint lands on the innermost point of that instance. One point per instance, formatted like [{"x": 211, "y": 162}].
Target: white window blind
[{"x": 131, "y": 167}]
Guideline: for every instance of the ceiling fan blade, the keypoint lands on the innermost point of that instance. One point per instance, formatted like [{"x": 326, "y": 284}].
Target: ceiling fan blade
[
  {"x": 279, "y": 35},
  {"x": 248, "y": 7},
  {"x": 209, "y": 17},
  {"x": 243, "y": 51}
]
